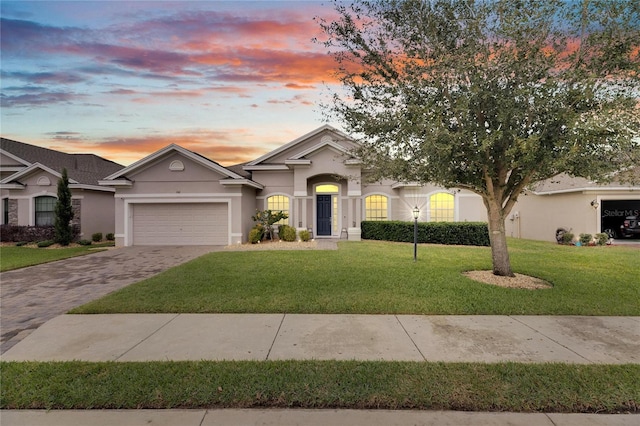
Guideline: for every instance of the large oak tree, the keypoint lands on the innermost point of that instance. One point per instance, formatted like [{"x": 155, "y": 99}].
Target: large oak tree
[{"x": 489, "y": 96}]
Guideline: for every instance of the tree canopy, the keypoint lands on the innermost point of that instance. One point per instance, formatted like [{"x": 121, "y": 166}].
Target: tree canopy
[{"x": 489, "y": 96}]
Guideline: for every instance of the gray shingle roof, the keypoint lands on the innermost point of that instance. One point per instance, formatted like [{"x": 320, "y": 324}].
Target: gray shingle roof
[{"x": 86, "y": 169}]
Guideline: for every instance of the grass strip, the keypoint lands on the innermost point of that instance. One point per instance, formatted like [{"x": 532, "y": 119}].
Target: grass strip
[
  {"x": 12, "y": 257},
  {"x": 372, "y": 277},
  {"x": 510, "y": 387}
]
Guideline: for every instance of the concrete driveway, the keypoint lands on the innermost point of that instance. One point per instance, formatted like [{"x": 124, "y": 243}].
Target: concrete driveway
[{"x": 32, "y": 296}]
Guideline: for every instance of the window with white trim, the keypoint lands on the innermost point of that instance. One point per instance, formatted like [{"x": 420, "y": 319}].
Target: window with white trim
[
  {"x": 441, "y": 207},
  {"x": 376, "y": 207},
  {"x": 5, "y": 211},
  {"x": 279, "y": 203},
  {"x": 45, "y": 211}
]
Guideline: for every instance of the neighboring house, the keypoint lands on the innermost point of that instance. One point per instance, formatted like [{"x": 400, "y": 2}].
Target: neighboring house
[
  {"x": 29, "y": 177},
  {"x": 176, "y": 196},
  {"x": 576, "y": 204}
]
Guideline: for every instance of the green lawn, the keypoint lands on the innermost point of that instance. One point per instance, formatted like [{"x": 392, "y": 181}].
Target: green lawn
[
  {"x": 379, "y": 278},
  {"x": 322, "y": 384},
  {"x": 12, "y": 257}
]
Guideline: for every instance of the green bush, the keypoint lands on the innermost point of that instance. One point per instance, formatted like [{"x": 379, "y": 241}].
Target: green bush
[
  {"x": 305, "y": 235},
  {"x": 84, "y": 242},
  {"x": 22, "y": 243},
  {"x": 97, "y": 237},
  {"x": 287, "y": 233},
  {"x": 567, "y": 238},
  {"x": 46, "y": 243},
  {"x": 602, "y": 238},
  {"x": 452, "y": 233},
  {"x": 585, "y": 239},
  {"x": 255, "y": 235},
  {"x": 110, "y": 237}
]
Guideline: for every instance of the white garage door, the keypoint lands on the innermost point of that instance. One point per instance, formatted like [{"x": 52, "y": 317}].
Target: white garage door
[{"x": 180, "y": 224}]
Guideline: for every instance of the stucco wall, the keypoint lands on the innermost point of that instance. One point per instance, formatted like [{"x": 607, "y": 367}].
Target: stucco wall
[
  {"x": 97, "y": 212},
  {"x": 538, "y": 216}
]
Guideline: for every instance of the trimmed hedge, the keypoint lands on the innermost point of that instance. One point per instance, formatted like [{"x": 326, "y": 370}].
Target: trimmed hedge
[
  {"x": 451, "y": 233},
  {"x": 15, "y": 234}
]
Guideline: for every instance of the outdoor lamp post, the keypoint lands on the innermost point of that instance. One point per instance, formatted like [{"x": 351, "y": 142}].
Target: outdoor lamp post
[{"x": 416, "y": 215}]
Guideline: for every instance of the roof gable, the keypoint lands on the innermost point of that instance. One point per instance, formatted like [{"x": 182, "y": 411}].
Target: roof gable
[
  {"x": 298, "y": 149},
  {"x": 228, "y": 176},
  {"x": 33, "y": 169},
  {"x": 86, "y": 169}
]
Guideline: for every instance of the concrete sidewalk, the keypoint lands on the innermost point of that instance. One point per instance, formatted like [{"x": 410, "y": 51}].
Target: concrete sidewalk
[
  {"x": 290, "y": 417},
  {"x": 141, "y": 337},
  {"x": 160, "y": 337}
]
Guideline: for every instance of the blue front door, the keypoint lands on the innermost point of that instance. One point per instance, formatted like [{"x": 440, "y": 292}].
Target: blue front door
[{"x": 324, "y": 214}]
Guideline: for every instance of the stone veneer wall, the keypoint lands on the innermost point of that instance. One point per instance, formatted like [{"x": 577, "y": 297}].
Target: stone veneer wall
[
  {"x": 76, "y": 205},
  {"x": 13, "y": 212}
]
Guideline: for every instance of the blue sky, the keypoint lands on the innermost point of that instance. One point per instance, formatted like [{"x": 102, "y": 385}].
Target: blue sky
[{"x": 122, "y": 79}]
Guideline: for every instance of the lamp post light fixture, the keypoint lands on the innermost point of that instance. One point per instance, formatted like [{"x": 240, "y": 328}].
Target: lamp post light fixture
[{"x": 416, "y": 215}]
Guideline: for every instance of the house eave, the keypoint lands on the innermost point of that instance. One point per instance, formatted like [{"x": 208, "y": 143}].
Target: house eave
[
  {"x": 12, "y": 186},
  {"x": 588, "y": 190},
  {"x": 399, "y": 185},
  {"x": 265, "y": 167},
  {"x": 116, "y": 182},
  {"x": 91, "y": 188},
  {"x": 241, "y": 182}
]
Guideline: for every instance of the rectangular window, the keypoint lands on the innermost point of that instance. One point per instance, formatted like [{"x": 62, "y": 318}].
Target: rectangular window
[
  {"x": 442, "y": 207},
  {"x": 45, "y": 211},
  {"x": 5, "y": 211},
  {"x": 279, "y": 203},
  {"x": 376, "y": 207}
]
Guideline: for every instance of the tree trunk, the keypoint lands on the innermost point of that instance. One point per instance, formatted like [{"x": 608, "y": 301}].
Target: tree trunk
[{"x": 498, "y": 239}]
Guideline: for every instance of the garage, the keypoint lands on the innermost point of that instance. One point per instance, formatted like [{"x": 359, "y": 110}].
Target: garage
[
  {"x": 614, "y": 213},
  {"x": 157, "y": 224}
]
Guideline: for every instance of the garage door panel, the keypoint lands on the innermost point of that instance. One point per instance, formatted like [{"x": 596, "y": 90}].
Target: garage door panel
[{"x": 180, "y": 224}]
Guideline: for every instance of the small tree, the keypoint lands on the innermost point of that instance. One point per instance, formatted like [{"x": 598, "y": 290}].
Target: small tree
[
  {"x": 267, "y": 218},
  {"x": 64, "y": 212}
]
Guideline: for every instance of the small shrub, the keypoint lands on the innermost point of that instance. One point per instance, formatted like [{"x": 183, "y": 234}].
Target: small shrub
[
  {"x": 22, "y": 243},
  {"x": 287, "y": 233},
  {"x": 602, "y": 238},
  {"x": 110, "y": 237},
  {"x": 46, "y": 243},
  {"x": 97, "y": 237},
  {"x": 585, "y": 239},
  {"x": 84, "y": 242},
  {"x": 255, "y": 235},
  {"x": 567, "y": 238},
  {"x": 305, "y": 235}
]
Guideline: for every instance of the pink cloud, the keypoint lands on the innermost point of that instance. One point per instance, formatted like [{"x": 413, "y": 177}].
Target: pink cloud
[{"x": 221, "y": 146}]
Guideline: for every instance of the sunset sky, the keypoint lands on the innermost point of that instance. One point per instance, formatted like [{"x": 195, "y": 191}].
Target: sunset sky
[{"x": 122, "y": 79}]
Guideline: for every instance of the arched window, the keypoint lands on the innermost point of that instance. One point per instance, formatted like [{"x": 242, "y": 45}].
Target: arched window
[
  {"x": 45, "y": 211},
  {"x": 279, "y": 203},
  {"x": 441, "y": 207},
  {"x": 376, "y": 207}
]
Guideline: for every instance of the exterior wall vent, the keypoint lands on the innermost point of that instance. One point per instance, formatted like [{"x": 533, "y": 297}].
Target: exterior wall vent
[{"x": 176, "y": 166}]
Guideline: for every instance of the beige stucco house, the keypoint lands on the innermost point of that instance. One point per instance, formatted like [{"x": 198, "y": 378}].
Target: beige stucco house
[
  {"x": 29, "y": 177},
  {"x": 176, "y": 196},
  {"x": 576, "y": 204}
]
